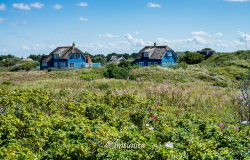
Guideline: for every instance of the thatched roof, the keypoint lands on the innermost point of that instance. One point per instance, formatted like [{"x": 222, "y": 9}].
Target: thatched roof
[
  {"x": 155, "y": 52},
  {"x": 63, "y": 52}
]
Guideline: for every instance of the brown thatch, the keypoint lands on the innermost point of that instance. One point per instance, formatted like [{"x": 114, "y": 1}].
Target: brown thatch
[
  {"x": 154, "y": 52},
  {"x": 63, "y": 52}
]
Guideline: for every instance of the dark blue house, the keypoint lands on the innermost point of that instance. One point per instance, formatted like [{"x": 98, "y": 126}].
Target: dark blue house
[
  {"x": 66, "y": 57},
  {"x": 156, "y": 55}
]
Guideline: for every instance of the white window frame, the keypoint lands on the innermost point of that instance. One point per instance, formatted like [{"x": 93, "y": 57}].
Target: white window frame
[
  {"x": 44, "y": 64},
  {"x": 141, "y": 63},
  {"x": 56, "y": 56},
  {"x": 169, "y": 53},
  {"x": 145, "y": 54}
]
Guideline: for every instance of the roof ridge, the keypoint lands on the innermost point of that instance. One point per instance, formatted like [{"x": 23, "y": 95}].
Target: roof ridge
[{"x": 67, "y": 51}]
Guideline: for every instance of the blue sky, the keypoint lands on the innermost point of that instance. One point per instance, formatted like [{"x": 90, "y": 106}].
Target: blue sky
[{"x": 106, "y": 26}]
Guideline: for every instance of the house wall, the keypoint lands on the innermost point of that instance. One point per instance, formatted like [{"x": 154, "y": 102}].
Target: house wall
[
  {"x": 147, "y": 62},
  {"x": 58, "y": 62},
  {"x": 49, "y": 65},
  {"x": 78, "y": 62},
  {"x": 168, "y": 61}
]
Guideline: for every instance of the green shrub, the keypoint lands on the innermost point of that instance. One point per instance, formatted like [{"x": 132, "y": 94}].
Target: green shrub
[
  {"x": 125, "y": 64},
  {"x": 137, "y": 118},
  {"x": 7, "y": 83},
  {"x": 25, "y": 67},
  {"x": 94, "y": 111},
  {"x": 192, "y": 58},
  {"x": 89, "y": 77},
  {"x": 114, "y": 71},
  {"x": 220, "y": 84}
]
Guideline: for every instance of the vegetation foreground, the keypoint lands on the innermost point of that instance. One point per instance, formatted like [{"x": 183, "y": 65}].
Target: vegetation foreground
[{"x": 186, "y": 112}]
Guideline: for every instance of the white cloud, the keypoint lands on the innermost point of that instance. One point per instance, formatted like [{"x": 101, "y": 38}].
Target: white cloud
[
  {"x": 37, "y": 47},
  {"x": 58, "y": 6},
  {"x": 109, "y": 47},
  {"x": 243, "y": 36},
  {"x": 21, "y": 6},
  {"x": 83, "y": 19},
  {"x": 2, "y": 20},
  {"x": 2, "y": 7},
  {"x": 17, "y": 23},
  {"x": 37, "y": 5},
  {"x": 218, "y": 34},
  {"x": 133, "y": 40},
  {"x": 199, "y": 42},
  {"x": 153, "y": 5},
  {"x": 237, "y": 0},
  {"x": 107, "y": 35},
  {"x": 136, "y": 32},
  {"x": 83, "y": 4},
  {"x": 200, "y": 33}
]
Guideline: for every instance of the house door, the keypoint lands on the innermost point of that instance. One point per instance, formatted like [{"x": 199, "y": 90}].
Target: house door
[{"x": 72, "y": 65}]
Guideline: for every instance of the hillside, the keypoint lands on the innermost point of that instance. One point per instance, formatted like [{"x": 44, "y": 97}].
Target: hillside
[
  {"x": 232, "y": 65},
  {"x": 187, "y": 112}
]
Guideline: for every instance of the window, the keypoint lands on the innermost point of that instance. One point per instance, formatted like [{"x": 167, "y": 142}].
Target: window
[
  {"x": 149, "y": 63},
  {"x": 73, "y": 56},
  {"x": 62, "y": 64},
  {"x": 145, "y": 54},
  {"x": 141, "y": 63},
  {"x": 72, "y": 65},
  {"x": 56, "y": 64},
  {"x": 155, "y": 63},
  {"x": 78, "y": 56},
  {"x": 44, "y": 64},
  {"x": 169, "y": 54},
  {"x": 56, "y": 56}
]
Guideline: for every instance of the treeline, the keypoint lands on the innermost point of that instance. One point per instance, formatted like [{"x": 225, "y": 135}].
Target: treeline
[
  {"x": 101, "y": 58},
  {"x": 13, "y": 63}
]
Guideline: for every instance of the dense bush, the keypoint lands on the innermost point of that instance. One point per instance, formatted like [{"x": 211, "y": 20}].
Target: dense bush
[
  {"x": 220, "y": 84},
  {"x": 117, "y": 72},
  {"x": 8, "y": 62},
  {"x": 25, "y": 66},
  {"x": 89, "y": 77},
  {"x": 40, "y": 124},
  {"x": 35, "y": 57},
  {"x": 192, "y": 58}
]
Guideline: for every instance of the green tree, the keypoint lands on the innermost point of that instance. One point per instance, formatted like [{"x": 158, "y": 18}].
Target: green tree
[
  {"x": 35, "y": 57},
  {"x": 192, "y": 58}
]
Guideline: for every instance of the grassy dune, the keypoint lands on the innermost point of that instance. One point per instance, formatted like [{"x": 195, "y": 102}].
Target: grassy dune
[{"x": 183, "y": 113}]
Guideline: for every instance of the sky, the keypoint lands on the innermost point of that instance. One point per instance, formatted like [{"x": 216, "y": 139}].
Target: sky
[{"x": 122, "y": 26}]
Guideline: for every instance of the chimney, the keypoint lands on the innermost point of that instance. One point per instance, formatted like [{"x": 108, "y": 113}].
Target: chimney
[
  {"x": 73, "y": 45},
  {"x": 88, "y": 59},
  {"x": 155, "y": 44}
]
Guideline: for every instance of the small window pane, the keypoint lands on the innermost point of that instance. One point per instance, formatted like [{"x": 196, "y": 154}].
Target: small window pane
[
  {"x": 141, "y": 63},
  {"x": 56, "y": 56},
  {"x": 62, "y": 64},
  {"x": 44, "y": 64},
  {"x": 145, "y": 54},
  {"x": 169, "y": 54},
  {"x": 56, "y": 64}
]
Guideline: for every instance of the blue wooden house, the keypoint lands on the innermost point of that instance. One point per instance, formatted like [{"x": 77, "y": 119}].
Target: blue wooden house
[
  {"x": 156, "y": 55},
  {"x": 66, "y": 57}
]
